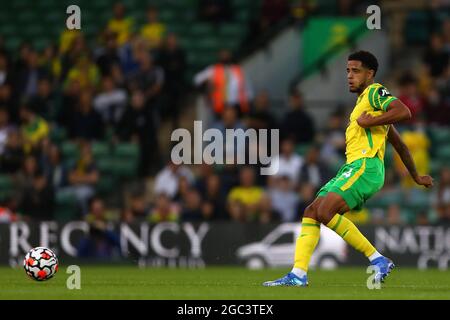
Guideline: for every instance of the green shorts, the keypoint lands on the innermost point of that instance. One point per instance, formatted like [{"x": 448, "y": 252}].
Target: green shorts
[{"x": 357, "y": 181}]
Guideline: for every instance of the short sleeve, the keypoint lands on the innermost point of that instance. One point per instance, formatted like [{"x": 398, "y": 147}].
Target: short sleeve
[{"x": 380, "y": 98}]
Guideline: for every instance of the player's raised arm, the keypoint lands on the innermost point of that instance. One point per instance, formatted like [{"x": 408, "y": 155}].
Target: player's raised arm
[
  {"x": 403, "y": 151},
  {"x": 395, "y": 111}
]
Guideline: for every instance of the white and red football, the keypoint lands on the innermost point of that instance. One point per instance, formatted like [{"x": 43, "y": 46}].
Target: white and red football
[{"x": 40, "y": 263}]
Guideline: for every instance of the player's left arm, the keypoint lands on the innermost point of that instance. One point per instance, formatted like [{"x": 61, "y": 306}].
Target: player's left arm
[
  {"x": 396, "y": 111},
  {"x": 403, "y": 151}
]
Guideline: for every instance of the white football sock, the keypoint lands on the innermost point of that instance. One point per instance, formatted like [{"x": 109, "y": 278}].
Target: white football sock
[
  {"x": 299, "y": 272},
  {"x": 375, "y": 255}
]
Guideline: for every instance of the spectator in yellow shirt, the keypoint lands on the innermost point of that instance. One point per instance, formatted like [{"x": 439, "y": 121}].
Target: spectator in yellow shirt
[
  {"x": 153, "y": 31},
  {"x": 66, "y": 39},
  {"x": 246, "y": 195},
  {"x": 85, "y": 72},
  {"x": 418, "y": 144},
  {"x": 34, "y": 128},
  {"x": 120, "y": 24}
]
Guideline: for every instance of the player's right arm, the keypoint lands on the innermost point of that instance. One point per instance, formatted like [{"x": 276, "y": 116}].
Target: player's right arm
[{"x": 403, "y": 151}]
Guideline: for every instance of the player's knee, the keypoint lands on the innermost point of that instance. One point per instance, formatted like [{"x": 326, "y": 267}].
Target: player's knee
[
  {"x": 311, "y": 211},
  {"x": 325, "y": 214}
]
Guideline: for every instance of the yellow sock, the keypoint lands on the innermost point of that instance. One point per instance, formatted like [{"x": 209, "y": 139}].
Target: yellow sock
[
  {"x": 306, "y": 243},
  {"x": 350, "y": 233}
]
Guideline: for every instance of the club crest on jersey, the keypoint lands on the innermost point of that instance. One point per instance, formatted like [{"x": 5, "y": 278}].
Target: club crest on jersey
[{"x": 383, "y": 92}]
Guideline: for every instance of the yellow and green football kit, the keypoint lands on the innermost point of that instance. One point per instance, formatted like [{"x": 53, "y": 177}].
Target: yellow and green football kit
[
  {"x": 356, "y": 181},
  {"x": 363, "y": 173}
]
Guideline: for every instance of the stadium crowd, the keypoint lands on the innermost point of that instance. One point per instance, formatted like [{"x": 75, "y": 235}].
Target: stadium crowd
[{"x": 126, "y": 85}]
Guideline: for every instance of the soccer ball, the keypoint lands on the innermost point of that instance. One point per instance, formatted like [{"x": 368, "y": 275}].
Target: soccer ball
[{"x": 40, "y": 263}]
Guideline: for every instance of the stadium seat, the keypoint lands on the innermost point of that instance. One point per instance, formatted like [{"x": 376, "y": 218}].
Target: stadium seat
[
  {"x": 69, "y": 150},
  {"x": 106, "y": 184},
  {"x": 105, "y": 164},
  {"x": 443, "y": 153},
  {"x": 126, "y": 156},
  {"x": 301, "y": 149},
  {"x": 100, "y": 149},
  {"x": 66, "y": 206},
  {"x": 58, "y": 135}
]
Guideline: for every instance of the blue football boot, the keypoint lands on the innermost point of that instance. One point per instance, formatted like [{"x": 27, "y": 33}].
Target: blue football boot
[
  {"x": 289, "y": 280},
  {"x": 384, "y": 267}
]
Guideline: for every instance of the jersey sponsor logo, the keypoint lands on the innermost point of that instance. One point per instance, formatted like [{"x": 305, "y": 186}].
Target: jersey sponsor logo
[
  {"x": 348, "y": 173},
  {"x": 383, "y": 92}
]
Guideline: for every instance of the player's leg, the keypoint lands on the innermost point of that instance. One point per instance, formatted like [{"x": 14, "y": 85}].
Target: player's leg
[
  {"x": 330, "y": 213},
  {"x": 304, "y": 248},
  {"x": 308, "y": 238}
]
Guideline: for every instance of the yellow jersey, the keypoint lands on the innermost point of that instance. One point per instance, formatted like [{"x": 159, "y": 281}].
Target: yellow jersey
[{"x": 369, "y": 142}]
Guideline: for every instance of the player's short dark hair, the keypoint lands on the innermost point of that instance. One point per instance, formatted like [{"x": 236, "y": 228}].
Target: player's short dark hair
[{"x": 367, "y": 59}]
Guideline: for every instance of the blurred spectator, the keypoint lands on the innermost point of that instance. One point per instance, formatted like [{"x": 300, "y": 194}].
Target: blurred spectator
[
  {"x": 28, "y": 77},
  {"x": 85, "y": 122},
  {"x": 313, "y": 170},
  {"x": 102, "y": 242},
  {"x": 227, "y": 85},
  {"x": 21, "y": 63},
  {"x": 164, "y": 210},
  {"x": 246, "y": 194},
  {"x": 307, "y": 194},
  {"x": 83, "y": 177},
  {"x": 66, "y": 39},
  {"x": 153, "y": 30},
  {"x": 289, "y": 163},
  {"x": 7, "y": 215},
  {"x": 5, "y": 129},
  {"x": 346, "y": 7},
  {"x": 85, "y": 72},
  {"x": 232, "y": 147},
  {"x": 137, "y": 210},
  {"x": 13, "y": 154},
  {"x": 34, "y": 129},
  {"x": 108, "y": 55},
  {"x": 441, "y": 196},
  {"x": 216, "y": 11},
  {"x": 267, "y": 213},
  {"x": 172, "y": 58},
  {"x": 50, "y": 62},
  {"x": 149, "y": 79},
  {"x": 333, "y": 148},
  {"x": 446, "y": 33},
  {"x": 110, "y": 102},
  {"x": 24, "y": 178},
  {"x": 409, "y": 95},
  {"x": 129, "y": 55},
  {"x": 297, "y": 123},
  {"x": 37, "y": 199},
  {"x": 272, "y": 11},
  {"x": 191, "y": 209},
  {"x": 213, "y": 207},
  {"x": 436, "y": 58},
  {"x": 260, "y": 116},
  {"x": 138, "y": 126},
  {"x": 167, "y": 179},
  {"x": 7, "y": 100},
  {"x": 120, "y": 24},
  {"x": 44, "y": 102},
  {"x": 5, "y": 70},
  {"x": 77, "y": 48},
  {"x": 56, "y": 171},
  {"x": 418, "y": 144},
  {"x": 284, "y": 199}
]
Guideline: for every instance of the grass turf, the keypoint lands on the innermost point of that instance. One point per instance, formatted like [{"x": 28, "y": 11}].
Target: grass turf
[{"x": 115, "y": 282}]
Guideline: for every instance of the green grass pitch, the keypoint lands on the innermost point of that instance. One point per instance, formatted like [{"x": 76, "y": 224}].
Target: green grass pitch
[{"x": 223, "y": 283}]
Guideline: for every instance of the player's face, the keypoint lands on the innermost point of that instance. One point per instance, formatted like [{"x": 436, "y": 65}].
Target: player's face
[{"x": 357, "y": 76}]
